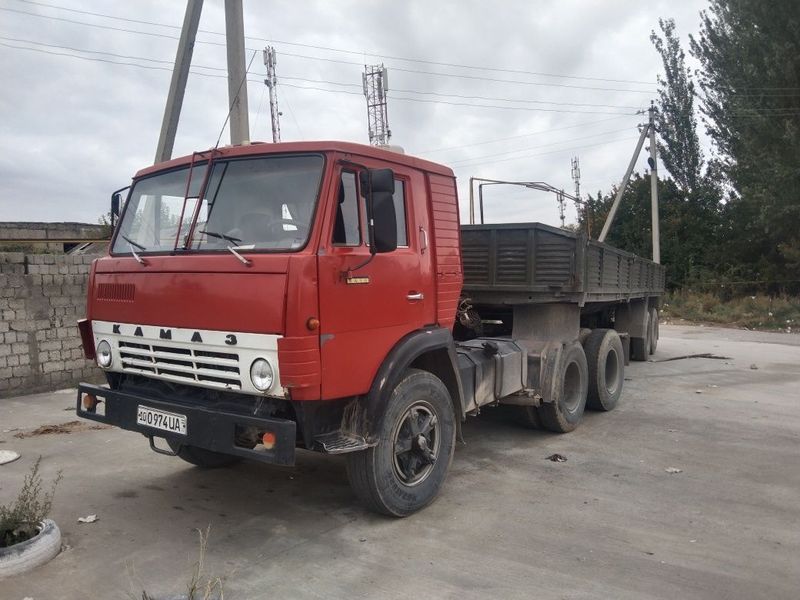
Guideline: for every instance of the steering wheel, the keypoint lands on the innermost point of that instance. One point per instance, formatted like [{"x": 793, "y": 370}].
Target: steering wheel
[{"x": 276, "y": 226}]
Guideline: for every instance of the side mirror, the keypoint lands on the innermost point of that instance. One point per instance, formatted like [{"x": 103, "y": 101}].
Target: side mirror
[
  {"x": 115, "y": 201},
  {"x": 377, "y": 187},
  {"x": 116, "y": 204}
]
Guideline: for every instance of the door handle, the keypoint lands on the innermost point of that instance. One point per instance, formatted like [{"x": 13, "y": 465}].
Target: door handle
[{"x": 415, "y": 296}]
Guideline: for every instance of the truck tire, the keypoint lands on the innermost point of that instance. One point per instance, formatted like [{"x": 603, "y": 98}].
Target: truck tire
[
  {"x": 640, "y": 346},
  {"x": 606, "y": 360},
  {"x": 416, "y": 439},
  {"x": 201, "y": 457},
  {"x": 653, "y": 330},
  {"x": 563, "y": 413},
  {"x": 31, "y": 553}
]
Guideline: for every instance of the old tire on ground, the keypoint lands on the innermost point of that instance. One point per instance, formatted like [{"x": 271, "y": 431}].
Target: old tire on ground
[
  {"x": 406, "y": 469},
  {"x": 201, "y": 457},
  {"x": 563, "y": 413},
  {"x": 653, "y": 330},
  {"x": 31, "y": 553},
  {"x": 606, "y": 360}
]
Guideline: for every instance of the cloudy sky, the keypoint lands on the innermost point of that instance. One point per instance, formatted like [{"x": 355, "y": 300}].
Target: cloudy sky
[{"x": 507, "y": 89}]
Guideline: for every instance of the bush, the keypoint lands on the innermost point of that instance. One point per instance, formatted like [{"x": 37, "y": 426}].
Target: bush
[
  {"x": 753, "y": 312},
  {"x": 20, "y": 521}
]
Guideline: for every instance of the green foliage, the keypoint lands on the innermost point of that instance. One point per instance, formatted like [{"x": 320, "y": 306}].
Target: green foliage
[
  {"x": 19, "y": 521},
  {"x": 679, "y": 147},
  {"x": 749, "y": 52},
  {"x": 736, "y": 217},
  {"x": 688, "y": 223}
]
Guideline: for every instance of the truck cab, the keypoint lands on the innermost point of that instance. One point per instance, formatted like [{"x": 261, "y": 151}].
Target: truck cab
[{"x": 260, "y": 298}]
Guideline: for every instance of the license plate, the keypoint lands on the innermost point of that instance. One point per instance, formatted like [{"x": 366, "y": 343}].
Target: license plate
[{"x": 159, "y": 419}]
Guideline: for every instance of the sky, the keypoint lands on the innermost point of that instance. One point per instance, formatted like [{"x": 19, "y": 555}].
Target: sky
[{"x": 508, "y": 90}]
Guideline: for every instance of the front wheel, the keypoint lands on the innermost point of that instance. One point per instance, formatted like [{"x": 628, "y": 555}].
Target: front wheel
[{"x": 406, "y": 469}]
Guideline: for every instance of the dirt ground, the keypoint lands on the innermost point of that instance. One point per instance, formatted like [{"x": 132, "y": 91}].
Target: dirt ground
[{"x": 610, "y": 522}]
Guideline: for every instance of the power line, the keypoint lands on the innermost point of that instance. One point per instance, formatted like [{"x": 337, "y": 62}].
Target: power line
[
  {"x": 308, "y": 87},
  {"x": 491, "y": 98},
  {"x": 352, "y": 52},
  {"x": 524, "y": 135},
  {"x": 337, "y": 83},
  {"x": 414, "y": 71},
  {"x": 491, "y": 162},
  {"x": 584, "y": 137}
]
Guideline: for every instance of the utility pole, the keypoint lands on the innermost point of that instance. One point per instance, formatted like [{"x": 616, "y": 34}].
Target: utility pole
[
  {"x": 613, "y": 212},
  {"x": 654, "y": 186},
  {"x": 375, "y": 81},
  {"x": 237, "y": 72},
  {"x": 177, "y": 85},
  {"x": 647, "y": 130},
  {"x": 271, "y": 81}
]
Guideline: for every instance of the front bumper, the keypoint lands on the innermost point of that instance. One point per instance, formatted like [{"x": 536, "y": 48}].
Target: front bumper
[{"x": 211, "y": 429}]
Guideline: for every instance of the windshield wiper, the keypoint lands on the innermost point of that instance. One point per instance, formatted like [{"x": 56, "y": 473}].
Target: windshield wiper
[
  {"x": 132, "y": 243},
  {"x": 231, "y": 248},
  {"x": 221, "y": 236},
  {"x": 133, "y": 246}
]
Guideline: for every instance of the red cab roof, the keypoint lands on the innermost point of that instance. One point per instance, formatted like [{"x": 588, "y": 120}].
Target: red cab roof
[{"x": 263, "y": 148}]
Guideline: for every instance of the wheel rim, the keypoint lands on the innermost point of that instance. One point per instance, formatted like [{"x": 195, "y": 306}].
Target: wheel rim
[
  {"x": 415, "y": 443},
  {"x": 612, "y": 371},
  {"x": 571, "y": 398}
]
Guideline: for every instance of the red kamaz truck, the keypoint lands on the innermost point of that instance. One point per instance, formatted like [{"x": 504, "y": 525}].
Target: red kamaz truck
[{"x": 322, "y": 295}]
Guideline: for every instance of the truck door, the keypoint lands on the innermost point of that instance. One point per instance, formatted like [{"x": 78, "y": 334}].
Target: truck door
[{"x": 367, "y": 305}]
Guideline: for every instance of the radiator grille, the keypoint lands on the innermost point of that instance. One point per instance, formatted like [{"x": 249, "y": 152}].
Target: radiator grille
[
  {"x": 214, "y": 369},
  {"x": 116, "y": 292}
]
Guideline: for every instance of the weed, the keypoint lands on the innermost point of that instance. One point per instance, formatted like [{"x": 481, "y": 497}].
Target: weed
[
  {"x": 780, "y": 313},
  {"x": 20, "y": 521},
  {"x": 200, "y": 586}
]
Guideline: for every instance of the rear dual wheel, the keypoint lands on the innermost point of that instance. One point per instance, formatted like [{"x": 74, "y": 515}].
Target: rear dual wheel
[
  {"x": 406, "y": 469},
  {"x": 563, "y": 413},
  {"x": 606, "y": 360}
]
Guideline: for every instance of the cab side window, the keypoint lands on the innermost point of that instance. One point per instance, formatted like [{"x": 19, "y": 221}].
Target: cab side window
[
  {"x": 400, "y": 212},
  {"x": 346, "y": 227}
]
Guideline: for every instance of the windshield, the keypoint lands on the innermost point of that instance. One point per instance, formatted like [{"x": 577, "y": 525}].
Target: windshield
[{"x": 249, "y": 204}]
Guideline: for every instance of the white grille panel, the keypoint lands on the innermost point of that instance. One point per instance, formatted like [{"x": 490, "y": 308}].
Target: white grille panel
[{"x": 212, "y": 369}]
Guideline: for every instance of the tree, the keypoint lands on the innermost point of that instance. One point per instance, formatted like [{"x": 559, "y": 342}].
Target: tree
[
  {"x": 679, "y": 145},
  {"x": 749, "y": 52}
]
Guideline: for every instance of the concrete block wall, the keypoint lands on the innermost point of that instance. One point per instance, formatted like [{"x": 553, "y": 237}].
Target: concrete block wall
[{"x": 41, "y": 298}]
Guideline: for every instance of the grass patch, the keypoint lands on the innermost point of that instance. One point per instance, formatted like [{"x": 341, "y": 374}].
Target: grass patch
[
  {"x": 20, "y": 520},
  {"x": 778, "y": 313}
]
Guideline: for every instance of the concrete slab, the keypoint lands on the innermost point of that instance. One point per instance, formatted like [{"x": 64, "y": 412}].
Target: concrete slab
[{"x": 610, "y": 522}]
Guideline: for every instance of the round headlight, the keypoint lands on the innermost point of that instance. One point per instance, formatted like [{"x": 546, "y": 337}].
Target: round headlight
[
  {"x": 104, "y": 356},
  {"x": 261, "y": 374}
]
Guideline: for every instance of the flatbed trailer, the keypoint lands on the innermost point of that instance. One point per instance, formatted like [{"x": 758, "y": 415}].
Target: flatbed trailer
[{"x": 322, "y": 295}]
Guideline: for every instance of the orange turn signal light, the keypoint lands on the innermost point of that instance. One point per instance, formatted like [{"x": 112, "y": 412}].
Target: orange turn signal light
[
  {"x": 89, "y": 402},
  {"x": 268, "y": 439},
  {"x": 312, "y": 323}
]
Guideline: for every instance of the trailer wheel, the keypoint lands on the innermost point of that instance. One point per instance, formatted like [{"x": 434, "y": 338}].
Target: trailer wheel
[
  {"x": 563, "y": 413},
  {"x": 406, "y": 469},
  {"x": 606, "y": 361},
  {"x": 200, "y": 457},
  {"x": 640, "y": 346},
  {"x": 653, "y": 330}
]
